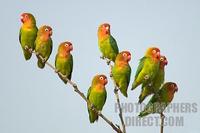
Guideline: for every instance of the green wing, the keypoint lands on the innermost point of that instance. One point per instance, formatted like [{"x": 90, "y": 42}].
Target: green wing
[
  {"x": 141, "y": 64},
  {"x": 71, "y": 67},
  {"x": 114, "y": 46},
  {"x": 88, "y": 93},
  {"x": 20, "y": 33}
]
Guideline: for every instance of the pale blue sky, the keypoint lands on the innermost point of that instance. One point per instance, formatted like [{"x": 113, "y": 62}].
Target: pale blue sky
[{"x": 36, "y": 101}]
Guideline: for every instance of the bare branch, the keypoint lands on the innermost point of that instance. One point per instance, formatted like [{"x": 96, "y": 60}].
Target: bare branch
[
  {"x": 116, "y": 89},
  {"x": 162, "y": 117},
  {"x": 74, "y": 85}
]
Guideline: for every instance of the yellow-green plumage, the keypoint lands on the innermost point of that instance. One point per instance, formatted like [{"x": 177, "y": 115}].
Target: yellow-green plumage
[
  {"x": 107, "y": 44},
  {"x": 155, "y": 85},
  {"x": 97, "y": 96},
  {"x": 161, "y": 100},
  {"x": 148, "y": 68},
  {"x": 27, "y": 34},
  {"x": 64, "y": 60},
  {"x": 44, "y": 44},
  {"x": 121, "y": 71}
]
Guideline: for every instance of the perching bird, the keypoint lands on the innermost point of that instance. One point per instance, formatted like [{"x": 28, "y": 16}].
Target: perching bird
[
  {"x": 148, "y": 67},
  {"x": 107, "y": 44},
  {"x": 158, "y": 103},
  {"x": 43, "y": 44},
  {"x": 121, "y": 71},
  {"x": 156, "y": 83},
  {"x": 28, "y": 33},
  {"x": 97, "y": 96},
  {"x": 64, "y": 60}
]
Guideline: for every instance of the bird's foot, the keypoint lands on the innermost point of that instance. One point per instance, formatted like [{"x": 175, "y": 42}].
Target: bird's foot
[
  {"x": 44, "y": 60},
  {"x": 116, "y": 90},
  {"x": 102, "y": 57},
  {"x": 108, "y": 62},
  {"x": 99, "y": 112},
  {"x": 56, "y": 71}
]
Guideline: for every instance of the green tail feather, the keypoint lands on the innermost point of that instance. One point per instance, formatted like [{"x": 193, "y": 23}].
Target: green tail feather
[
  {"x": 141, "y": 98},
  {"x": 92, "y": 116},
  {"x": 40, "y": 64},
  {"x": 134, "y": 85},
  {"x": 64, "y": 80},
  {"x": 124, "y": 92},
  {"x": 143, "y": 113},
  {"x": 27, "y": 55}
]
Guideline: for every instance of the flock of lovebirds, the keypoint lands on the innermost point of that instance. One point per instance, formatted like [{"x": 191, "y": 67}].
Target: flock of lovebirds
[{"x": 150, "y": 72}]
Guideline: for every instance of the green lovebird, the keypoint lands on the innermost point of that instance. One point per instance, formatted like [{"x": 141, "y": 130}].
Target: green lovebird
[
  {"x": 156, "y": 83},
  {"x": 121, "y": 71},
  {"x": 107, "y": 44},
  {"x": 64, "y": 60},
  {"x": 28, "y": 33},
  {"x": 97, "y": 96},
  {"x": 160, "y": 101},
  {"x": 148, "y": 67},
  {"x": 43, "y": 44}
]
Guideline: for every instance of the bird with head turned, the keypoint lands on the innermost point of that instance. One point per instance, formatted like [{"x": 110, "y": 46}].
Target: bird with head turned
[
  {"x": 64, "y": 60},
  {"x": 121, "y": 71},
  {"x": 106, "y": 42},
  {"x": 148, "y": 67},
  {"x": 27, "y": 34},
  {"x": 43, "y": 44},
  {"x": 97, "y": 95},
  {"x": 160, "y": 101},
  {"x": 154, "y": 86}
]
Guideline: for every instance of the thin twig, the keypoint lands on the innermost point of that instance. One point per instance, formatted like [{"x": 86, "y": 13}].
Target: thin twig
[
  {"x": 162, "y": 117},
  {"x": 74, "y": 85},
  {"x": 116, "y": 89}
]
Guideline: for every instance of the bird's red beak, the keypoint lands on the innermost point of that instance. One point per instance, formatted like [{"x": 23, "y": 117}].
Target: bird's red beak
[
  {"x": 158, "y": 55},
  {"x": 50, "y": 33},
  {"x": 129, "y": 57},
  {"x": 71, "y": 47},
  {"x": 176, "y": 89},
  {"x": 166, "y": 62},
  {"x": 22, "y": 18},
  {"x": 105, "y": 81}
]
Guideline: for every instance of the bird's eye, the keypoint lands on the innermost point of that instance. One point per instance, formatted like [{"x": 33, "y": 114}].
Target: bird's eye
[
  {"x": 66, "y": 45},
  {"x": 154, "y": 51},
  {"x": 101, "y": 78},
  {"x": 161, "y": 59},
  {"x": 124, "y": 54},
  {"x": 46, "y": 29},
  {"x": 26, "y": 16}
]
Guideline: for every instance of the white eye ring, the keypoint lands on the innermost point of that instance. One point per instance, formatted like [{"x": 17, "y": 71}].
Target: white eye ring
[
  {"x": 107, "y": 27},
  {"x": 101, "y": 78},
  {"x": 46, "y": 29},
  {"x": 124, "y": 54},
  {"x": 66, "y": 45},
  {"x": 154, "y": 51},
  {"x": 161, "y": 59}
]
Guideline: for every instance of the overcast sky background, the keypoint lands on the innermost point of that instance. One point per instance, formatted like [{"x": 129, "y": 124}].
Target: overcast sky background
[{"x": 37, "y": 101}]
